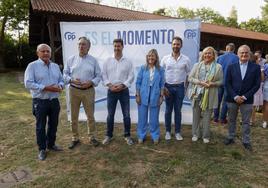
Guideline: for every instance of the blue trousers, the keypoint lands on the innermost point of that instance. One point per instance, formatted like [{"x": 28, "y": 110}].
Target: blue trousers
[
  {"x": 221, "y": 104},
  {"x": 46, "y": 112},
  {"x": 123, "y": 98},
  {"x": 174, "y": 101},
  {"x": 143, "y": 125}
]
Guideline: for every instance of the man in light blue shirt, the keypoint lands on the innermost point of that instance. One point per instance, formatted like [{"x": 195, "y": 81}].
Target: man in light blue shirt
[
  {"x": 83, "y": 73},
  {"x": 44, "y": 80}
]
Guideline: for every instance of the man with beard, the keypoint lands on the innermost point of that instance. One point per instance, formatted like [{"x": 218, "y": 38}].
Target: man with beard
[
  {"x": 118, "y": 75},
  {"x": 177, "y": 67}
]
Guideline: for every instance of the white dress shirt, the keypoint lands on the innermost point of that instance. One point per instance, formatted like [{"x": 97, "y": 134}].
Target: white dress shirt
[
  {"x": 243, "y": 69},
  {"x": 151, "y": 70},
  {"x": 85, "y": 68},
  {"x": 176, "y": 71},
  {"x": 118, "y": 72}
]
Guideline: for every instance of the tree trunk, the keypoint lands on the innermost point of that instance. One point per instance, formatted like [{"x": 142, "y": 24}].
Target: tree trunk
[{"x": 2, "y": 37}]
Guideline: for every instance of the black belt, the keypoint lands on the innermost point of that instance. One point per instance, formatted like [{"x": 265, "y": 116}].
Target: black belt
[
  {"x": 80, "y": 87},
  {"x": 38, "y": 99},
  {"x": 174, "y": 85}
]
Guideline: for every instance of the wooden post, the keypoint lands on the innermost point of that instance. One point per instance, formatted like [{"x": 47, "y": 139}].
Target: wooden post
[{"x": 51, "y": 30}]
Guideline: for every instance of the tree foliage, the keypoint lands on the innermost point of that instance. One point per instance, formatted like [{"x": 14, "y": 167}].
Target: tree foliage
[
  {"x": 185, "y": 13},
  {"x": 255, "y": 24},
  {"x": 12, "y": 13},
  {"x": 96, "y": 1},
  {"x": 208, "y": 15},
  {"x": 129, "y": 4},
  {"x": 264, "y": 11}
]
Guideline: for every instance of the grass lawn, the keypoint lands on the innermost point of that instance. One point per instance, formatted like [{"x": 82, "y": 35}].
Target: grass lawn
[{"x": 173, "y": 164}]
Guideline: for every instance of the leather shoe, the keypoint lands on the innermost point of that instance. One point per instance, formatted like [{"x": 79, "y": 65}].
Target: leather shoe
[
  {"x": 247, "y": 146},
  {"x": 94, "y": 142},
  {"x": 74, "y": 144},
  {"x": 228, "y": 141},
  {"x": 55, "y": 148},
  {"x": 42, "y": 155},
  {"x": 224, "y": 121}
]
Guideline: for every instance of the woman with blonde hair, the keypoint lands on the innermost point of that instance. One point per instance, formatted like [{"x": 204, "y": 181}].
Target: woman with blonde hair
[
  {"x": 205, "y": 78},
  {"x": 149, "y": 97}
]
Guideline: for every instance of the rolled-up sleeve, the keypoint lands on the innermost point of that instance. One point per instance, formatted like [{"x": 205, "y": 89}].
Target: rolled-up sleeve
[
  {"x": 104, "y": 74},
  {"x": 67, "y": 72},
  {"x": 29, "y": 80},
  {"x": 96, "y": 80},
  {"x": 130, "y": 78}
]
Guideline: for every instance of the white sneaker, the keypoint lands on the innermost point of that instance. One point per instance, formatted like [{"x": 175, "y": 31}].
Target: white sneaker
[
  {"x": 205, "y": 140},
  {"x": 264, "y": 125},
  {"x": 178, "y": 136},
  {"x": 106, "y": 140},
  {"x": 168, "y": 136},
  {"x": 194, "y": 138}
]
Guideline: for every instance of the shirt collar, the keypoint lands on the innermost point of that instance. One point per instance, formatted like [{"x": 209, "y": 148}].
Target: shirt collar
[
  {"x": 122, "y": 58},
  {"x": 43, "y": 63},
  {"x": 174, "y": 58},
  {"x": 240, "y": 63},
  {"x": 83, "y": 57}
]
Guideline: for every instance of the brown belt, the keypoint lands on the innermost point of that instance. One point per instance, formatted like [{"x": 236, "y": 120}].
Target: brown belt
[{"x": 80, "y": 87}]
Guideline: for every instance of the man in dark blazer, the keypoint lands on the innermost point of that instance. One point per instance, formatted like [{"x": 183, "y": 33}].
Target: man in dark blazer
[{"x": 242, "y": 82}]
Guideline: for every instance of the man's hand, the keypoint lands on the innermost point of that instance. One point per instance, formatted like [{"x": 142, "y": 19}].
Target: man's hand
[
  {"x": 76, "y": 82},
  {"x": 116, "y": 88},
  {"x": 53, "y": 88},
  {"x": 86, "y": 84},
  {"x": 239, "y": 100}
]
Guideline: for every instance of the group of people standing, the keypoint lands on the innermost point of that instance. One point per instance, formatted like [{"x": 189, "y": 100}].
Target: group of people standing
[{"x": 156, "y": 81}]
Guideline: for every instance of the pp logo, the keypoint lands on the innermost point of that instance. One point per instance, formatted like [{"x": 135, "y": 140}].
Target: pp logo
[
  {"x": 69, "y": 35},
  {"x": 190, "y": 33}
]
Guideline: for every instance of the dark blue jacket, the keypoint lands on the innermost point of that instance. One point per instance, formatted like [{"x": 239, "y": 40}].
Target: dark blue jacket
[{"x": 246, "y": 87}]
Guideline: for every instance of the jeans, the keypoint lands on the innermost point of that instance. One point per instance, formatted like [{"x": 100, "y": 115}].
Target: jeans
[
  {"x": 43, "y": 110},
  {"x": 174, "y": 100},
  {"x": 221, "y": 103},
  {"x": 123, "y": 98}
]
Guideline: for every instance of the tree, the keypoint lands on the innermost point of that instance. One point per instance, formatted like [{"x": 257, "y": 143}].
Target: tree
[
  {"x": 231, "y": 21},
  {"x": 264, "y": 11},
  {"x": 255, "y": 24},
  {"x": 208, "y": 15},
  {"x": 161, "y": 11},
  {"x": 129, "y": 4},
  {"x": 12, "y": 13},
  {"x": 185, "y": 13}
]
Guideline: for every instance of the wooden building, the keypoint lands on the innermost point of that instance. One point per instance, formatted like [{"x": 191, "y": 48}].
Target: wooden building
[{"x": 45, "y": 16}]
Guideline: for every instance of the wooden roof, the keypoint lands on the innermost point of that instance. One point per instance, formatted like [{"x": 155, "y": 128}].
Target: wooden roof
[{"x": 91, "y": 10}]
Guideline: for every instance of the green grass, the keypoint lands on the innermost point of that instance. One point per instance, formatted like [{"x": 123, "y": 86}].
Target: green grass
[{"x": 173, "y": 164}]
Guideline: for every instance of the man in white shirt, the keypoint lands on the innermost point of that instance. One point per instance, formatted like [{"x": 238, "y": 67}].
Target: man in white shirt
[
  {"x": 83, "y": 73},
  {"x": 118, "y": 75},
  {"x": 177, "y": 67}
]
